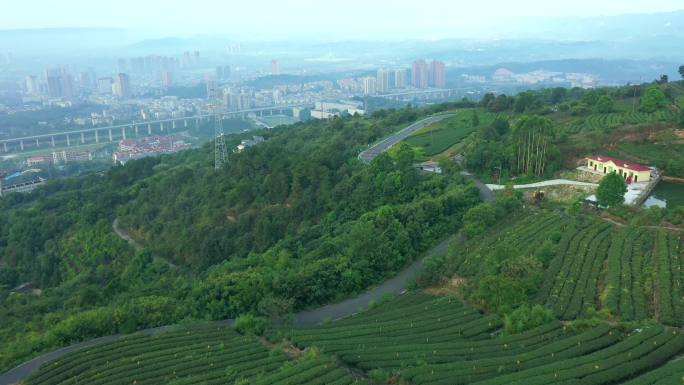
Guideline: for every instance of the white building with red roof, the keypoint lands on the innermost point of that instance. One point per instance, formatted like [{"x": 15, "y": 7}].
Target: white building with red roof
[{"x": 632, "y": 172}]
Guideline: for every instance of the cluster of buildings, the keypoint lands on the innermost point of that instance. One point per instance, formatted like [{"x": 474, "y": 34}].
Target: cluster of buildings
[
  {"x": 247, "y": 143},
  {"x": 59, "y": 157},
  {"x": 20, "y": 182},
  {"x": 129, "y": 149},
  {"x": 503, "y": 76},
  {"x": 421, "y": 76},
  {"x": 329, "y": 110},
  {"x": 59, "y": 83}
]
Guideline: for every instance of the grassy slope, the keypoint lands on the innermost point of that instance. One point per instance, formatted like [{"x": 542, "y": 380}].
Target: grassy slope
[{"x": 438, "y": 137}]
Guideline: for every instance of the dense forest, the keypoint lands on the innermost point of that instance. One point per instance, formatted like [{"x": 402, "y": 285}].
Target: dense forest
[{"x": 293, "y": 222}]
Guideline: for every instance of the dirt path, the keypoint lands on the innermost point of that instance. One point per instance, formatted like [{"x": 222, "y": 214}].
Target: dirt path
[
  {"x": 620, "y": 224},
  {"x": 124, "y": 235},
  {"x": 121, "y": 233}
]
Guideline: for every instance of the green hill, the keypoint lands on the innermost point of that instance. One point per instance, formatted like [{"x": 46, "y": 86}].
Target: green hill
[
  {"x": 293, "y": 222},
  {"x": 638, "y": 123},
  {"x": 298, "y": 221}
]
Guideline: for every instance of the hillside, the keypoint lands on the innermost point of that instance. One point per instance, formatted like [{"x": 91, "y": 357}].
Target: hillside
[
  {"x": 298, "y": 221},
  {"x": 578, "y": 266},
  {"x": 293, "y": 222},
  {"x": 638, "y": 123}
]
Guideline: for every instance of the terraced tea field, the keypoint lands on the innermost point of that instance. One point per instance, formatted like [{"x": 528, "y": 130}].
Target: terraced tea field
[
  {"x": 634, "y": 273},
  {"x": 417, "y": 338},
  {"x": 601, "y": 122},
  {"x": 630, "y": 273},
  {"x": 439, "y": 340},
  {"x": 206, "y": 355}
]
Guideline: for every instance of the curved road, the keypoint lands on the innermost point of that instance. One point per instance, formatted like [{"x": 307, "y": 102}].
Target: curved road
[
  {"x": 385, "y": 144},
  {"x": 396, "y": 285}
]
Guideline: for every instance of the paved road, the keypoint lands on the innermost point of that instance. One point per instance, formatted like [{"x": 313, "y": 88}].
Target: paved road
[
  {"x": 546, "y": 183},
  {"x": 486, "y": 194},
  {"x": 348, "y": 307},
  {"x": 339, "y": 310},
  {"x": 395, "y": 138}
]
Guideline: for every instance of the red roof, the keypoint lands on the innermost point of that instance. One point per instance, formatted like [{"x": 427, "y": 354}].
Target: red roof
[{"x": 621, "y": 163}]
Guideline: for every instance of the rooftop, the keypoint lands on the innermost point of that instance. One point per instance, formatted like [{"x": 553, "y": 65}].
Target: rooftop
[{"x": 621, "y": 163}]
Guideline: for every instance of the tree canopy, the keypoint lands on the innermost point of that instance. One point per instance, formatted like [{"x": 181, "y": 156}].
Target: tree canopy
[
  {"x": 653, "y": 100},
  {"x": 611, "y": 190}
]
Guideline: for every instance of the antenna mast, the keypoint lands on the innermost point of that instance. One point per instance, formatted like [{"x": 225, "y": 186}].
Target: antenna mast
[{"x": 220, "y": 150}]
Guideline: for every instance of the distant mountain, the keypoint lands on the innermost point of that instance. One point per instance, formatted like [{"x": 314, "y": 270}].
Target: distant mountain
[
  {"x": 618, "y": 71},
  {"x": 61, "y": 40},
  {"x": 163, "y": 44},
  {"x": 631, "y": 27}
]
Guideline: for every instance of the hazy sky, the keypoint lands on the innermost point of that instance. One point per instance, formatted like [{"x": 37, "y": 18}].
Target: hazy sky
[{"x": 299, "y": 17}]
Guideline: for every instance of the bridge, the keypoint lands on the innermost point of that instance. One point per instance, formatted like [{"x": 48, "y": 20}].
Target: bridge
[
  {"x": 123, "y": 131},
  {"x": 424, "y": 94}
]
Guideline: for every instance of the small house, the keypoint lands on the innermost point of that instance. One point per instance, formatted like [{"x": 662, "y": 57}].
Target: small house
[{"x": 632, "y": 172}]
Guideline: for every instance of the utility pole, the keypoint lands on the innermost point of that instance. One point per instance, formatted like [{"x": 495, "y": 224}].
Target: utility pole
[{"x": 220, "y": 150}]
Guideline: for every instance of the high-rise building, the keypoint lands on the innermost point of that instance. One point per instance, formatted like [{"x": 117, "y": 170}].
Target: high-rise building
[
  {"x": 54, "y": 86},
  {"x": 245, "y": 101},
  {"x": 419, "y": 74},
  {"x": 122, "y": 86},
  {"x": 85, "y": 81},
  {"x": 32, "y": 87},
  {"x": 275, "y": 67},
  {"x": 382, "y": 81},
  {"x": 167, "y": 78},
  {"x": 437, "y": 74},
  {"x": 67, "y": 85},
  {"x": 230, "y": 100},
  {"x": 212, "y": 89},
  {"x": 187, "y": 60},
  {"x": 369, "y": 86},
  {"x": 196, "y": 57},
  {"x": 400, "y": 78},
  {"x": 60, "y": 84},
  {"x": 104, "y": 85}
]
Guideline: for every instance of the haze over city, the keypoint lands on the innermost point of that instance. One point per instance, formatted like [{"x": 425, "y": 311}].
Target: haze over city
[{"x": 311, "y": 19}]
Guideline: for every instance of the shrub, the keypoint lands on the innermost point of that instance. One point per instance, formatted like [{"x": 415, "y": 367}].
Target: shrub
[
  {"x": 250, "y": 324},
  {"x": 526, "y": 318}
]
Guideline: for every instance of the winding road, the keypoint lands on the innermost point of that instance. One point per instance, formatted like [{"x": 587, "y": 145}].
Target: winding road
[
  {"x": 396, "y": 285},
  {"x": 385, "y": 144}
]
